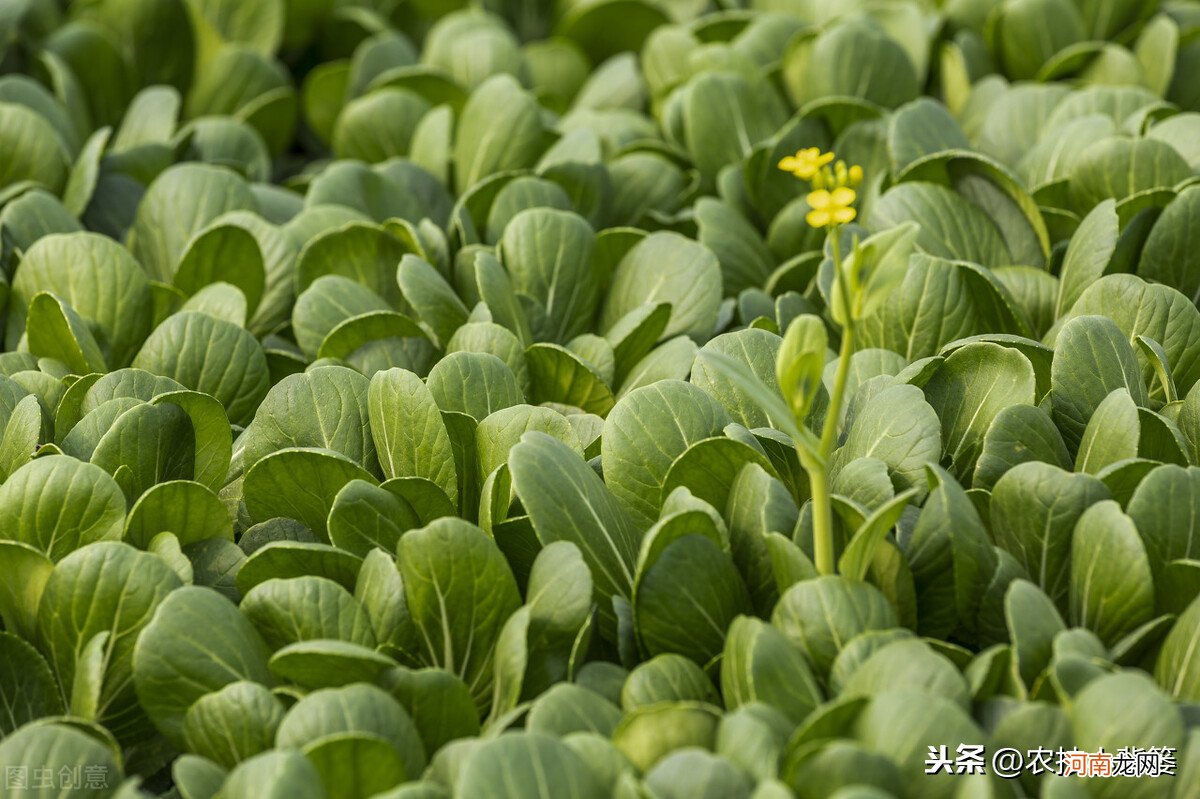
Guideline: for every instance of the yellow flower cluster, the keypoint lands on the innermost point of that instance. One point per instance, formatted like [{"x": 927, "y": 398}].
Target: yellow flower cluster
[
  {"x": 832, "y": 199},
  {"x": 830, "y": 208},
  {"x": 805, "y": 164}
]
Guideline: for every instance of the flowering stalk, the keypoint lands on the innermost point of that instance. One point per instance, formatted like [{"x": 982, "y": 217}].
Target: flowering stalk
[{"x": 832, "y": 204}]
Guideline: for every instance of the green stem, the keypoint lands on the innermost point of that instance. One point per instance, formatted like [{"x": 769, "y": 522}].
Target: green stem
[
  {"x": 818, "y": 476},
  {"x": 834, "y": 413},
  {"x": 822, "y": 514},
  {"x": 835, "y": 244}
]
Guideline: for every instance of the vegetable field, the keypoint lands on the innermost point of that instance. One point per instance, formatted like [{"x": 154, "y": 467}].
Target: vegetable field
[{"x": 575, "y": 399}]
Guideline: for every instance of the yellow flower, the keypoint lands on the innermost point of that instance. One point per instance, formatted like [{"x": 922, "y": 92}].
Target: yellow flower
[
  {"x": 805, "y": 163},
  {"x": 831, "y": 208}
]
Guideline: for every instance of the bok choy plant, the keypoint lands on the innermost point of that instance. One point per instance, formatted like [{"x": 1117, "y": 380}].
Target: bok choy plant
[
  {"x": 861, "y": 282},
  {"x": 599, "y": 399}
]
